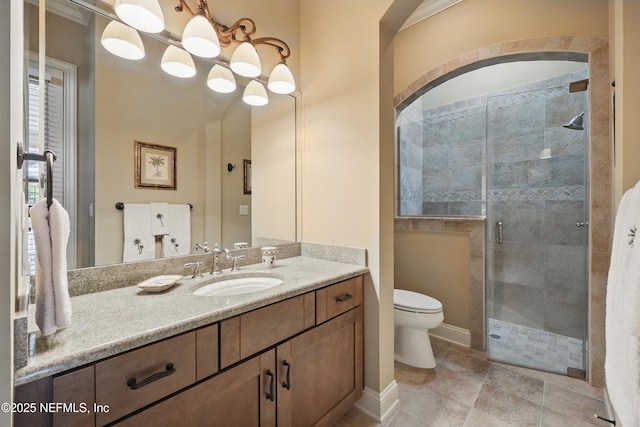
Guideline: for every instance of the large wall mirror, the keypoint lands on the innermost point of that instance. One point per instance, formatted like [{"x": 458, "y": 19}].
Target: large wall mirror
[{"x": 118, "y": 102}]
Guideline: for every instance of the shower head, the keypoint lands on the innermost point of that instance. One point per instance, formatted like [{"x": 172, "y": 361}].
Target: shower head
[{"x": 575, "y": 123}]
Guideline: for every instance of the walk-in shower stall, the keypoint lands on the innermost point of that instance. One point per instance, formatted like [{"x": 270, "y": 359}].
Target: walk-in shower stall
[{"x": 517, "y": 156}]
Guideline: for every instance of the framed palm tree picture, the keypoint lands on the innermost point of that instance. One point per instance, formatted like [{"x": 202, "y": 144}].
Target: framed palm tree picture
[{"x": 155, "y": 166}]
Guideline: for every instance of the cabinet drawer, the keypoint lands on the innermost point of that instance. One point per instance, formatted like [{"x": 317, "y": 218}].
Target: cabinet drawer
[
  {"x": 167, "y": 366},
  {"x": 252, "y": 332},
  {"x": 337, "y": 299}
]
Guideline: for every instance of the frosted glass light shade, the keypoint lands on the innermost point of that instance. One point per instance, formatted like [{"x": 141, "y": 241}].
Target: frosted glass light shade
[
  {"x": 178, "y": 62},
  {"x": 281, "y": 80},
  {"x": 221, "y": 80},
  {"x": 144, "y": 15},
  {"x": 122, "y": 41},
  {"x": 245, "y": 61},
  {"x": 255, "y": 94},
  {"x": 200, "y": 38}
]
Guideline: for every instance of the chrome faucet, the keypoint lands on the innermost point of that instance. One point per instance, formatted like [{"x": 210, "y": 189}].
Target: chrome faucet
[
  {"x": 235, "y": 259},
  {"x": 215, "y": 267},
  {"x": 196, "y": 268}
]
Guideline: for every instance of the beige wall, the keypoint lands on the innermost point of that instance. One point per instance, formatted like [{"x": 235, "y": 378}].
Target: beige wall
[
  {"x": 347, "y": 150},
  {"x": 473, "y": 24},
  {"x": 340, "y": 145},
  {"x": 273, "y": 146},
  {"x": 236, "y": 146},
  {"x": 625, "y": 46},
  {"x": 436, "y": 264}
]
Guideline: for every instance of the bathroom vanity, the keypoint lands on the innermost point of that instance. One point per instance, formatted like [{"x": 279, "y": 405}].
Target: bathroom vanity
[{"x": 288, "y": 356}]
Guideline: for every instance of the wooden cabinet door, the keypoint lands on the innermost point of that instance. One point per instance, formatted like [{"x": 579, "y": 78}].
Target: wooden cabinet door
[
  {"x": 323, "y": 369},
  {"x": 76, "y": 388},
  {"x": 240, "y": 396}
]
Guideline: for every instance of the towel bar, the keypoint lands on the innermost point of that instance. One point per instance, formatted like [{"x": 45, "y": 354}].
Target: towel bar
[{"x": 120, "y": 206}]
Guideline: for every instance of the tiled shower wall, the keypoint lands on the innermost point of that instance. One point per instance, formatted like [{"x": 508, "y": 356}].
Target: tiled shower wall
[{"x": 536, "y": 277}]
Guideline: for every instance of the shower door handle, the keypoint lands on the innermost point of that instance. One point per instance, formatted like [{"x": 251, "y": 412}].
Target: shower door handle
[{"x": 499, "y": 232}]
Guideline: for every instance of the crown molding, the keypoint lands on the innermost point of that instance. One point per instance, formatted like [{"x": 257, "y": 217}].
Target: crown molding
[{"x": 426, "y": 9}]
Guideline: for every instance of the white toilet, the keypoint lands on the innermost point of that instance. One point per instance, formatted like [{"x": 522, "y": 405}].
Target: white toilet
[{"x": 414, "y": 314}]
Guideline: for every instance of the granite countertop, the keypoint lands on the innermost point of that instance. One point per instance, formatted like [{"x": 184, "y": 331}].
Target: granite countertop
[{"x": 114, "y": 321}]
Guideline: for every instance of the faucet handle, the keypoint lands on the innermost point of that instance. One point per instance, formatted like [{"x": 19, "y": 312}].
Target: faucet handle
[
  {"x": 203, "y": 247},
  {"x": 235, "y": 258},
  {"x": 196, "y": 268}
]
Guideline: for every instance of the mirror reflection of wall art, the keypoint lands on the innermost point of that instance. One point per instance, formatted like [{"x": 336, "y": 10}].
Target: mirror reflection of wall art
[
  {"x": 247, "y": 176},
  {"x": 155, "y": 166}
]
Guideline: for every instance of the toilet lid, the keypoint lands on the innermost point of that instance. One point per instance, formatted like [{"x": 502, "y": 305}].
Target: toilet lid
[{"x": 416, "y": 302}]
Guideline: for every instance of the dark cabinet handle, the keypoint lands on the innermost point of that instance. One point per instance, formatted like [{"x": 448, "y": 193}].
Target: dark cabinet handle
[
  {"x": 344, "y": 298},
  {"x": 134, "y": 385},
  {"x": 287, "y": 383},
  {"x": 270, "y": 395}
]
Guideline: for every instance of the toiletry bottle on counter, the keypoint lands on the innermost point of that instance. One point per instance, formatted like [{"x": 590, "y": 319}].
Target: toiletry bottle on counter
[{"x": 269, "y": 257}]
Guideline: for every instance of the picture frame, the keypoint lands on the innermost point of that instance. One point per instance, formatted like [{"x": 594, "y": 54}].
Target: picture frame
[
  {"x": 247, "y": 176},
  {"x": 155, "y": 166}
]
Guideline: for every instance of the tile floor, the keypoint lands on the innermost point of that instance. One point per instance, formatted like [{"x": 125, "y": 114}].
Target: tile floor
[
  {"x": 467, "y": 390},
  {"x": 533, "y": 348}
]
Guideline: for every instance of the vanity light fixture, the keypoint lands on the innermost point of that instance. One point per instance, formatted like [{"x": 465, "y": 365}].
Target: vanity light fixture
[
  {"x": 203, "y": 36},
  {"x": 245, "y": 61},
  {"x": 122, "y": 40},
  {"x": 255, "y": 94},
  {"x": 178, "y": 62},
  {"x": 221, "y": 80},
  {"x": 200, "y": 38},
  {"x": 143, "y": 15},
  {"x": 281, "y": 80}
]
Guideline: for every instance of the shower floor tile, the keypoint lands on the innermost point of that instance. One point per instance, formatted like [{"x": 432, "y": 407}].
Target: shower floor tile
[{"x": 533, "y": 348}]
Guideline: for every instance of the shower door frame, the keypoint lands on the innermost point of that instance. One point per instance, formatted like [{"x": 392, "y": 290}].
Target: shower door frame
[{"x": 491, "y": 231}]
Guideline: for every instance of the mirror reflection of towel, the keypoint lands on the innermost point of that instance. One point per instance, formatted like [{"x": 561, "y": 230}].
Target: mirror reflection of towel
[
  {"x": 51, "y": 233},
  {"x": 139, "y": 244},
  {"x": 178, "y": 241}
]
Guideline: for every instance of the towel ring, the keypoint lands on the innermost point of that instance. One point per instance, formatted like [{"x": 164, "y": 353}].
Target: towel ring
[{"x": 50, "y": 157}]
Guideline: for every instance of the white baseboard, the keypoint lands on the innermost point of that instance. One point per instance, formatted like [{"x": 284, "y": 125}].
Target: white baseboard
[
  {"x": 378, "y": 405},
  {"x": 452, "y": 334}
]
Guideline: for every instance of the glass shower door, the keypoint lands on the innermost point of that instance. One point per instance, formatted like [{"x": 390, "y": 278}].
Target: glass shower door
[{"x": 536, "y": 191}]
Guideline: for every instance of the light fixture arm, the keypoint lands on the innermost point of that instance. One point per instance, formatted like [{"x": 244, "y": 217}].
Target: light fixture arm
[
  {"x": 246, "y": 27},
  {"x": 240, "y": 31},
  {"x": 279, "y": 45}
]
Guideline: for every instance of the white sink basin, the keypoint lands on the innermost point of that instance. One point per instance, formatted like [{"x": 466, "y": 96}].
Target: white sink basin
[{"x": 240, "y": 286}]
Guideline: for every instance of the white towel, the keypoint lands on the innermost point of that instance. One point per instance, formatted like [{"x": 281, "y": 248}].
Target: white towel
[
  {"x": 139, "y": 243},
  {"x": 51, "y": 233},
  {"x": 622, "y": 360},
  {"x": 160, "y": 221},
  {"x": 630, "y": 291},
  {"x": 178, "y": 242}
]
